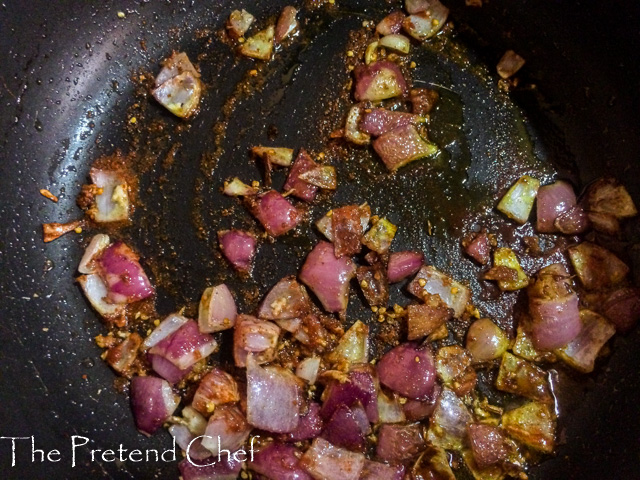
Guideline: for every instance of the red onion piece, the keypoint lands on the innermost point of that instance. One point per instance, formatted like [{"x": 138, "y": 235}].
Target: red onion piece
[
  {"x": 401, "y": 146},
  {"x": 607, "y": 196},
  {"x": 188, "y": 442},
  {"x": 374, "y": 284},
  {"x": 416, "y": 410},
  {"x": 381, "y": 471},
  {"x": 572, "y": 222},
  {"x": 252, "y": 335},
  {"x": 403, "y": 264},
  {"x": 486, "y": 341},
  {"x": 449, "y": 421},
  {"x": 379, "y": 81},
  {"x": 287, "y": 299},
  {"x": 408, "y": 370},
  {"x": 597, "y": 267},
  {"x": 260, "y": 45},
  {"x": 125, "y": 278},
  {"x": 97, "y": 244},
  {"x": 553, "y": 200},
  {"x": 167, "y": 327},
  {"x": 424, "y": 24},
  {"x": 239, "y": 23},
  {"x": 353, "y": 347},
  {"x": 217, "y": 310},
  {"x": 95, "y": 289},
  {"x": 603, "y": 222},
  {"x": 478, "y": 248},
  {"x": 122, "y": 356},
  {"x": 328, "y": 277},
  {"x": 362, "y": 386},
  {"x": 416, "y": 6},
  {"x": 287, "y": 24},
  {"x": 274, "y": 212},
  {"x": 308, "y": 368},
  {"x": 389, "y": 409},
  {"x": 153, "y": 402},
  {"x": 307, "y": 330},
  {"x": 327, "y": 462},
  {"x": 273, "y": 398},
  {"x": 347, "y": 428},
  {"x": 301, "y": 189},
  {"x": 227, "y": 429},
  {"x": 216, "y": 388},
  {"x": 380, "y": 121},
  {"x": 166, "y": 369},
  {"x": 455, "y": 295},
  {"x": 553, "y": 306},
  {"x": 347, "y": 230},
  {"x": 399, "y": 443},
  {"x": 622, "y": 308},
  {"x": 352, "y": 130},
  {"x": 423, "y": 100},
  {"x": 309, "y": 426},
  {"x": 227, "y": 468},
  {"x": 185, "y": 346},
  {"x": 488, "y": 444},
  {"x": 112, "y": 205},
  {"x": 278, "y": 461},
  {"x": 391, "y": 24},
  {"x": 178, "y": 86},
  {"x": 238, "y": 247},
  {"x": 509, "y": 64}
]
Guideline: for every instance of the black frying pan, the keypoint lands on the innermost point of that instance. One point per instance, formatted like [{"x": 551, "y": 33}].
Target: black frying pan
[{"x": 67, "y": 97}]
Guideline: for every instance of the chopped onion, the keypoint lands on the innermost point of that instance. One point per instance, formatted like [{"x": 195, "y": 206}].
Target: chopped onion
[
  {"x": 327, "y": 462},
  {"x": 399, "y": 443},
  {"x": 323, "y": 176},
  {"x": 185, "y": 346},
  {"x": 273, "y": 398},
  {"x": 380, "y": 121},
  {"x": 553, "y": 306},
  {"x": 374, "y": 284},
  {"x": 325, "y": 224},
  {"x": 254, "y": 336},
  {"x": 523, "y": 378},
  {"x": 166, "y": 328},
  {"x": 239, "y": 22},
  {"x": 279, "y": 461},
  {"x": 419, "y": 410},
  {"x": 408, "y": 370},
  {"x": 153, "y": 402},
  {"x": 607, "y": 196},
  {"x": 112, "y": 204},
  {"x": 381, "y": 471},
  {"x": 238, "y": 247},
  {"x": 298, "y": 187},
  {"x": 227, "y": 468},
  {"x": 402, "y": 146},
  {"x": 379, "y": 81},
  {"x": 308, "y": 368},
  {"x": 97, "y": 244},
  {"x": 353, "y": 347},
  {"x": 396, "y": 42},
  {"x": 217, "y": 310},
  {"x": 448, "y": 427},
  {"x": 275, "y": 155},
  {"x": 260, "y": 45},
  {"x": 403, "y": 264},
  {"x": 287, "y": 299},
  {"x": 425, "y": 24},
  {"x": 380, "y": 236},
  {"x": 423, "y": 100},
  {"x": 188, "y": 442},
  {"x": 352, "y": 130},
  {"x": 96, "y": 292},
  {"x": 227, "y": 429},
  {"x": 346, "y": 226},
  {"x": 237, "y": 188},
  {"x": 518, "y": 201},
  {"x": 603, "y": 222},
  {"x": 122, "y": 356},
  {"x": 455, "y": 295},
  {"x": 125, "y": 278},
  {"x": 572, "y": 222},
  {"x": 178, "y": 87},
  {"x": 309, "y": 426},
  {"x": 453, "y": 366},
  {"x": 478, "y": 247},
  {"x": 486, "y": 341},
  {"x": 216, "y": 388},
  {"x": 553, "y": 200},
  {"x": 597, "y": 267},
  {"x": 622, "y": 308},
  {"x": 507, "y": 271},
  {"x": 166, "y": 369},
  {"x": 347, "y": 427},
  {"x": 509, "y": 64},
  {"x": 532, "y": 424},
  {"x": 328, "y": 277},
  {"x": 276, "y": 214},
  {"x": 581, "y": 352},
  {"x": 488, "y": 444},
  {"x": 423, "y": 320},
  {"x": 360, "y": 385},
  {"x": 371, "y": 53},
  {"x": 389, "y": 409},
  {"x": 391, "y": 24},
  {"x": 287, "y": 24}
]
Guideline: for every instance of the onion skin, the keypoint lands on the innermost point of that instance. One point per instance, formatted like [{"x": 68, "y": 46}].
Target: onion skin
[
  {"x": 408, "y": 370},
  {"x": 486, "y": 341},
  {"x": 553, "y": 306},
  {"x": 287, "y": 24}
]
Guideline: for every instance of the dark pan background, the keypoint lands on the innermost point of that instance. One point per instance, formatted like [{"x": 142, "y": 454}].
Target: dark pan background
[{"x": 61, "y": 59}]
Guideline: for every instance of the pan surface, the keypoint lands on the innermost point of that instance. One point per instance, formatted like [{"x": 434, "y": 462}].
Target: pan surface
[{"x": 70, "y": 86}]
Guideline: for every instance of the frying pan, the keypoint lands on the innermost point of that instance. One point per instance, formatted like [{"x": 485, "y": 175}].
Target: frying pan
[{"x": 68, "y": 94}]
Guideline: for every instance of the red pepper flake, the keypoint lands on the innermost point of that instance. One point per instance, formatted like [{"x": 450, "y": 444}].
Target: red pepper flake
[{"x": 47, "y": 194}]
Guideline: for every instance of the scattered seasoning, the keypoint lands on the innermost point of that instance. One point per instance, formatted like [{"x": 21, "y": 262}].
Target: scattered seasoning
[
  {"x": 78, "y": 229},
  {"x": 47, "y": 194},
  {"x": 121, "y": 14}
]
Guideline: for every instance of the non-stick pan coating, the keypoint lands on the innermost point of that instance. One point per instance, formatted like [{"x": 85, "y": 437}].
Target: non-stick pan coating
[{"x": 67, "y": 94}]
